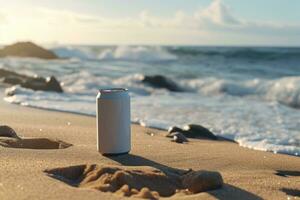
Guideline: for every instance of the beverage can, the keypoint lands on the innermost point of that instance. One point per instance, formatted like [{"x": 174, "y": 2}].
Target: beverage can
[{"x": 113, "y": 121}]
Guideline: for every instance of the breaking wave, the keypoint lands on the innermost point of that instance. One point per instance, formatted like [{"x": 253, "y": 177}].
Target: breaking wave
[
  {"x": 284, "y": 90},
  {"x": 125, "y": 53},
  {"x": 138, "y": 53}
]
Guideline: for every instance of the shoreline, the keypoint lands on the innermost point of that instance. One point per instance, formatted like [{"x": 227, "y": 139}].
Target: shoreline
[
  {"x": 136, "y": 123},
  {"x": 247, "y": 174}
]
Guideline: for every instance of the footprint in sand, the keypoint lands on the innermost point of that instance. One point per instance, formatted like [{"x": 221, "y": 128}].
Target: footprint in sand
[
  {"x": 143, "y": 182},
  {"x": 12, "y": 140},
  {"x": 33, "y": 143}
]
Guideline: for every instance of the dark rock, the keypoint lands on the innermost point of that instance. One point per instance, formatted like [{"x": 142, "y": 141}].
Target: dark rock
[
  {"x": 13, "y": 80},
  {"x": 27, "y": 49},
  {"x": 178, "y": 137},
  {"x": 174, "y": 129},
  {"x": 192, "y": 131},
  {"x": 201, "y": 181},
  {"x": 53, "y": 84},
  {"x": 198, "y": 131},
  {"x": 6, "y": 131},
  {"x": 40, "y": 83},
  {"x": 34, "y": 83},
  {"x": 6, "y": 73},
  {"x": 159, "y": 81}
]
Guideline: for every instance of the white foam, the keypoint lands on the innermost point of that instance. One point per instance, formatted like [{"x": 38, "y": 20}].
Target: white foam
[
  {"x": 253, "y": 124},
  {"x": 137, "y": 53},
  {"x": 284, "y": 90},
  {"x": 127, "y": 53}
]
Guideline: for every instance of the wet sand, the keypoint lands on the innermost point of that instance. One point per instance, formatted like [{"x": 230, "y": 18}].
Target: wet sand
[{"x": 28, "y": 170}]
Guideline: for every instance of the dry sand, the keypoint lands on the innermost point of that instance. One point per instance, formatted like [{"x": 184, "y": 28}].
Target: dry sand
[{"x": 247, "y": 174}]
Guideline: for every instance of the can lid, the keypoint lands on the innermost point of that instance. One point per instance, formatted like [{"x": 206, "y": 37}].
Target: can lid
[{"x": 113, "y": 90}]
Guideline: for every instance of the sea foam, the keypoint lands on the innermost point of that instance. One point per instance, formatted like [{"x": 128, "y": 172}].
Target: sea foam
[
  {"x": 126, "y": 53},
  {"x": 284, "y": 90}
]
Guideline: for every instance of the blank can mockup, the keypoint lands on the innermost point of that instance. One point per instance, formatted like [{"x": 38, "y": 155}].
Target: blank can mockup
[{"x": 113, "y": 121}]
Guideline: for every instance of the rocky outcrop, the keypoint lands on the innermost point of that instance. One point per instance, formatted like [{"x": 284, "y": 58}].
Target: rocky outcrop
[
  {"x": 40, "y": 83},
  {"x": 159, "y": 81},
  {"x": 34, "y": 83},
  {"x": 27, "y": 49}
]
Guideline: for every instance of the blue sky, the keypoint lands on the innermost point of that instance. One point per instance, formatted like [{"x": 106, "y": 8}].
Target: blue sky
[{"x": 196, "y": 22}]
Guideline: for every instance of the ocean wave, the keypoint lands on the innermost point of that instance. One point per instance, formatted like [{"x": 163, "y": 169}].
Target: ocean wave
[
  {"x": 86, "y": 83},
  {"x": 73, "y": 52},
  {"x": 137, "y": 53},
  {"x": 239, "y": 52},
  {"x": 124, "y": 53},
  {"x": 284, "y": 90},
  {"x": 244, "y": 101},
  {"x": 158, "y": 53}
]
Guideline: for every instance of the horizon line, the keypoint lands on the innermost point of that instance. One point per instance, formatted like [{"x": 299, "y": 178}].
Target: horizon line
[{"x": 154, "y": 44}]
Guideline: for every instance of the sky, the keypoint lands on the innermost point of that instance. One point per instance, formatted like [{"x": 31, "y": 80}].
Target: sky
[{"x": 153, "y": 22}]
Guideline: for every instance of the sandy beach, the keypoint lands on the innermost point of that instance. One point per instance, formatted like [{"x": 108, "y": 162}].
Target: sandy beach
[
  {"x": 108, "y": 100},
  {"x": 247, "y": 174}
]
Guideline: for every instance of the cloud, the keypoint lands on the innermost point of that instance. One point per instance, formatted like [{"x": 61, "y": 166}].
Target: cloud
[
  {"x": 218, "y": 17},
  {"x": 217, "y": 13},
  {"x": 216, "y": 20}
]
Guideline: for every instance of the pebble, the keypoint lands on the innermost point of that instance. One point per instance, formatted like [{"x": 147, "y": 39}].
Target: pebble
[{"x": 178, "y": 137}]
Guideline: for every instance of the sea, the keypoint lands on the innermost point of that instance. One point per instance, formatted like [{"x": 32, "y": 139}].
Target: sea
[{"x": 247, "y": 94}]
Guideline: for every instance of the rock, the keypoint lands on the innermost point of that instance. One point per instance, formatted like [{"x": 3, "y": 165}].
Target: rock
[
  {"x": 34, "y": 83},
  {"x": 6, "y": 131},
  {"x": 192, "y": 131},
  {"x": 53, "y": 84},
  {"x": 9, "y": 74},
  {"x": 27, "y": 49},
  {"x": 201, "y": 181},
  {"x": 178, "y": 137},
  {"x": 159, "y": 81},
  {"x": 174, "y": 129},
  {"x": 40, "y": 83},
  {"x": 13, "y": 80},
  {"x": 196, "y": 131}
]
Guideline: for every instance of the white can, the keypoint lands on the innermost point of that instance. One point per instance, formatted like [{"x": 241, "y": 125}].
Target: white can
[{"x": 113, "y": 121}]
